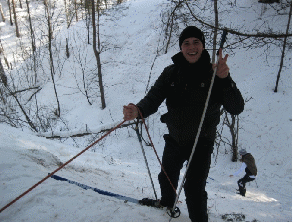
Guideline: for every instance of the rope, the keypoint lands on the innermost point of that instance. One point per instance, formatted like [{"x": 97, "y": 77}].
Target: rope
[
  {"x": 223, "y": 39},
  {"x": 196, "y": 139},
  {"x": 51, "y": 174},
  {"x": 146, "y": 128},
  {"x": 145, "y": 159}
]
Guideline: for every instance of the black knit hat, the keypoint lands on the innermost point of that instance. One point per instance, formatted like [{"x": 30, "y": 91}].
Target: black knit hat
[{"x": 191, "y": 31}]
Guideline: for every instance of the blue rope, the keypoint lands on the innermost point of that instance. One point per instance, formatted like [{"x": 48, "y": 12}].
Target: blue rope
[{"x": 103, "y": 192}]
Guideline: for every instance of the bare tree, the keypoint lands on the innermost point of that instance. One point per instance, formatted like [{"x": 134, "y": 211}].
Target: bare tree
[
  {"x": 87, "y": 8},
  {"x": 52, "y": 69},
  {"x": 3, "y": 77},
  {"x": 14, "y": 95},
  {"x": 97, "y": 52},
  {"x": 171, "y": 23},
  {"x": 31, "y": 27},
  {"x": 284, "y": 47},
  {"x": 20, "y": 4},
  {"x": 33, "y": 39},
  {"x": 215, "y": 31},
  {"x": 10, "y": 13},
  {"x": 15, "y": 19},
  {"x": 2, "y": 52},
  {"x": 233, "y": 125},
  {"x": 67, "y": 13},
  {"x": 76, "y": 11},
  {"x": 2, "y": 14}
]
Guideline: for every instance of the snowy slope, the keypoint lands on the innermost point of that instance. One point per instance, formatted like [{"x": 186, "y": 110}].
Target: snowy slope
[{"x": 116, "y": 164}]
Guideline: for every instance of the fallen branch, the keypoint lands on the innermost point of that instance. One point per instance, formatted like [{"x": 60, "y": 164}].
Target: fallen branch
[{"x": 60, "y": 135}]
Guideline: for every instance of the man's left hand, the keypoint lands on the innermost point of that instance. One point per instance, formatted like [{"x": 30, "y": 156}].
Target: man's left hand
[{"x": 222, "y": 68}]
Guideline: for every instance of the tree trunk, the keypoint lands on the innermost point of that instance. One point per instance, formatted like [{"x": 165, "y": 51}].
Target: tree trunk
[
  {"x": 32, "y": 38},
  {"x": 2, "y": 14},
  {"x": 5, "y": 58},
  {"x": 50, "y": 34},
  {"x": 15, "y": 19},
  {"x": 10, "y": 13},
  {"x": 97, "y": 54},
  {"x": 4, "y": 81},
  {"x": 87, "y": 18},
  {"x": 283, "y": 52},
  {"x": 76, "y": 11},
  {"x": 20, "y": 4},
  {"x": 3, "y": 77},
  {"x": 233, "y": 126},
  {"x": 31, "y": 27},
  {"x": 215, "y": 31},
  {"x": 67, "y": 13}
]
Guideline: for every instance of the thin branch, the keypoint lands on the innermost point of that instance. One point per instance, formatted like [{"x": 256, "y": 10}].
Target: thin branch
[{"x": 259, "y": 34}]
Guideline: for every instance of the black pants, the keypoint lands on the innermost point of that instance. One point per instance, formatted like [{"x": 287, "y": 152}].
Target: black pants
[
  {"x": 173, "y": 158},
  {"x": 241, "y": 183}
]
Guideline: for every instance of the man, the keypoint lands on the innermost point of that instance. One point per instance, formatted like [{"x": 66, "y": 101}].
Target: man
[
  {"x": 185, "y": 86},
  {"x": 248, "y": 164}
]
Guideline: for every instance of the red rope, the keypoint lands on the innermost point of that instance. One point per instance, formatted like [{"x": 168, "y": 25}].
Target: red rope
[
  {"x": 62, "y": 166},
  {"x": 146, "y": 128},
  {"x": 37, "y": 184}
]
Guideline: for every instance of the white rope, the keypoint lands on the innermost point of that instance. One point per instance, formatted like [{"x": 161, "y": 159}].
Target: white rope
[{"x": 197, "y": 136}]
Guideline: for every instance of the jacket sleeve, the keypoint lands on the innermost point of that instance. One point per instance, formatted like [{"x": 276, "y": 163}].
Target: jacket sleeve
[
  {"x": 243, "y": 166},
  {"x": 156, "y": 95},
  {"x": 231, "y": 97}
]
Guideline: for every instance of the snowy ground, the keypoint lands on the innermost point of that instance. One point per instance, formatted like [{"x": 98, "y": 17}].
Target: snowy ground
[{"x": 116, "y": 163}]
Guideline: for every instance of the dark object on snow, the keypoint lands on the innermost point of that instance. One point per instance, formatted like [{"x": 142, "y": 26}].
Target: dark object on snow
[
  {"x": 269, "y": 1},
  {"x": 241, "y": 191},
  {"x": 242, "y": 182},
  {"x": 150, "y": 202},
  {"x": 233, "y": 217},
  {"x": 157, "y": 204}
]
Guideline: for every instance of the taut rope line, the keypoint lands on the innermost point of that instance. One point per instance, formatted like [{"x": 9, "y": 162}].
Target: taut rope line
[
  {"x": 140, "y": 114},
  {"x": 51, "y": 174},
  {"x": 223, "y": 39}
]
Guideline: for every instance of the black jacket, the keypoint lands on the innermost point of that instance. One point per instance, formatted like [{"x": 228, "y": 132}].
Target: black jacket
[{"x": 185, "y": 87}]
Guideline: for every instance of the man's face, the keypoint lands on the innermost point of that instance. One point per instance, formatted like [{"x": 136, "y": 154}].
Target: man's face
[{"x": 192, "y": 49}]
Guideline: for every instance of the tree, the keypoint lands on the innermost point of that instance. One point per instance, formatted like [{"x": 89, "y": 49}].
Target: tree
[
  {"x": 15, "y": 19},
  {"x": 14, "y": 95},
  {"x": 2, "y": 14},
  {"x": 97, "y": 52},
  {"x": 215, "y": 31},
  {"x": 10, "y": 13},
  {"x": 283, "y": 51},
  {"x": 2, "y": 52},
  {"x": 31, "y": 27},
  {"x": 52, "y": 69},
  {"x": 3, "y": 77}
]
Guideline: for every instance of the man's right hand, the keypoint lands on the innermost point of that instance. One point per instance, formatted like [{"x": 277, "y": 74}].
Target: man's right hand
[{"x": 130, "y": 112}]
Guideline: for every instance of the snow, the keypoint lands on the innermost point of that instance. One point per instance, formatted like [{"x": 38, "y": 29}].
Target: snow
[{"x": 116, "y": 163}]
